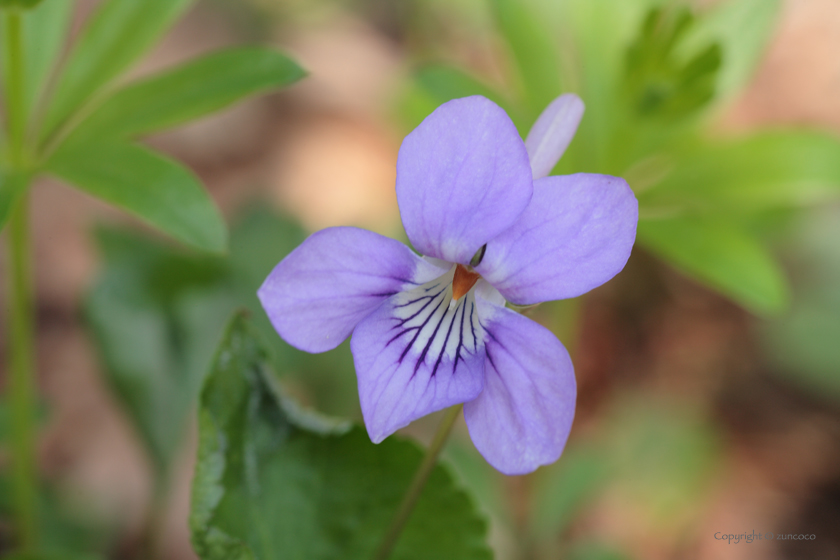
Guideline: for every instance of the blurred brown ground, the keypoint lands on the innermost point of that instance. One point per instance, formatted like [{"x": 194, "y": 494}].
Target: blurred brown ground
[{"x": 326, "y": 150}]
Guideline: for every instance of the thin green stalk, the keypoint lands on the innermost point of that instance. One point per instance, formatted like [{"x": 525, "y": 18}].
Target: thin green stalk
[
  {"x": 21, "y": 372},
  {"x": 21, "y": 365},
  {"x": 15, "y": 100},
  {"x": 417, "y": 484}
]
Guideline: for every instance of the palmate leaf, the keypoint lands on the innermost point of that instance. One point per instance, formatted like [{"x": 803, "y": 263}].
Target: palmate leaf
[
  {"x": 117, "y": 34},
  {"x": 721, "y": 255},
  {"x": 742, "y": 28},
  {"x": 656, "y": 82},
  {"x": 602, "y": 32},
  {"x": 149, "y": 186},
  {"x": 273, "y": 482},
  {"x": 189, "y": 91}
]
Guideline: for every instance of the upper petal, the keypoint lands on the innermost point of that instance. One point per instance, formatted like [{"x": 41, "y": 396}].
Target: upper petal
[
  {"x": 463, "y": 177},
  {"x": 552, "y": 133},
  {"x": 416, "y": 355},
  {"x": 522, "y": 418},
  {"x": 333, "y": 280},
  {"x": 576, "y": 234}
]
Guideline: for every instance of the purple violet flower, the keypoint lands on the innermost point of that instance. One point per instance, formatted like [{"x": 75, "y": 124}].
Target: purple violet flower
[{"x": 431, "y": 332}]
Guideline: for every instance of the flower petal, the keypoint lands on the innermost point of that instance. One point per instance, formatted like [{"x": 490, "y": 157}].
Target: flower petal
[
  {"x": 553, "y": 132},
  {"x": 523, "y": 416},
  {"x": 417, "y": 354},
  {"x": 576, "y": 234},
  {"x": 333, "y": 280},
  {"x": 463, "y": 177}
]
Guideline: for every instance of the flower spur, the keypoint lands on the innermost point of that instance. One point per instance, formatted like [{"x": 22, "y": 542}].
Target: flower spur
[{"x": 431, "y": 332}]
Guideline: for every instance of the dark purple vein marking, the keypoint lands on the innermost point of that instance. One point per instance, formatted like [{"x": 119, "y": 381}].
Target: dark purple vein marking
[
  {"x": 419, "y": 330},
  {"x": 422, "y": 357},
  {"x": 472, "y": 327},
  {"x": 431, "y": 299},
  {"x": 446, "y": 340},
  {"x": 460, "y": 340}
]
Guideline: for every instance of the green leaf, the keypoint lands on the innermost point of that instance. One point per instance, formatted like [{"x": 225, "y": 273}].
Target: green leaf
[
  {"x": 742, "y": 28},
  {"x": 152, "y": 188},
  {"x": 156, "y": 314},
  {"x": 44, "y": 31},
  {"x": 600, "y": 34},
  {"x": 273, "y": 482},
  {"x": 116, "y": 35},
  {"x": 534, "y": 51},
  {"x": 12, "y": 186},
  {"x": 722, "y": 256},
  {"x": 768, "y": 169},
  {"x": 190, "y": 91},
  {"x": 659, "y": 85}
]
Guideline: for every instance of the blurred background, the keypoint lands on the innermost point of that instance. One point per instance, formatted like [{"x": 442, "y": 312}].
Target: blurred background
[{"x": 708, "y": 371}]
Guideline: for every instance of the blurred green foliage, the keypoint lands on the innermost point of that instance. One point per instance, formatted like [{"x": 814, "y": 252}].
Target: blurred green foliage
[
  {"x": 802, "y": 344},
  {"x": 68, "y": 531},
  {"x": 659, "y": 455},
  {"x": 76, "y": 115},
  {"x": 655, "y": 77},
  {"x": 157, "y": 313},
  {"x": 275, "y": 481},
  {"x": 80, "y": 117},
  {"x": 596, "y": 551},
  {"x": 656, "y": 83},
  {"x": 25, "y": 4}
]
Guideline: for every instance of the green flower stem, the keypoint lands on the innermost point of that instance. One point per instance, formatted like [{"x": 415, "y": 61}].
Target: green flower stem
[
  {"x": 21, "y": 364},
  {"x": 21, "y": 375},
  {"x": 417, "y": 484}
]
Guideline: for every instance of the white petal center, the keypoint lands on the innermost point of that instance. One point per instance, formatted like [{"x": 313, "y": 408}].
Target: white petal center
[{"x": 433, "y": 327}]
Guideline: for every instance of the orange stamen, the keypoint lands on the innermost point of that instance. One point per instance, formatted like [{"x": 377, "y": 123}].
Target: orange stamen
[{"x": 462, "y": 282}]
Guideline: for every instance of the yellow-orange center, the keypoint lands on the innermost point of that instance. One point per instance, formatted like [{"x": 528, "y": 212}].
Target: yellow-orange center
[{"x": 462, "y": 282}]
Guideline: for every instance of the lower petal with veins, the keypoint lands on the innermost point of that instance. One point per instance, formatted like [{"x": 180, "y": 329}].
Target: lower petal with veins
[{"x": 417, "y": 354}]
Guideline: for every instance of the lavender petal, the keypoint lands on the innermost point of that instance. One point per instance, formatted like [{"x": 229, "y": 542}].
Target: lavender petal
[
  {"x": 417, "y": 354},
  {"x": 553, "y": 132},
  {"x": 333, "y": 280},
  {"x": 522, "y": 418},
  {"x": 576, "y": 234},
  {"x": 463, "y": 177}
]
